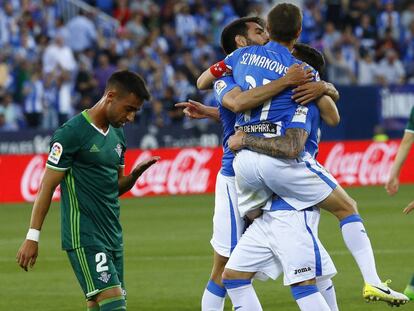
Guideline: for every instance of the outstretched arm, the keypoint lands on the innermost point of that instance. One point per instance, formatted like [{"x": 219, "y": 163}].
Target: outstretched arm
[
  {"x": 196, "y": 110},
  {"x": 288, "y": 146},
  {"x": 28, "y": 251},
  {"x": 238, "y": 101},
  {"x": 125, "y": 183},
  {"x": 393, "y": 181}
]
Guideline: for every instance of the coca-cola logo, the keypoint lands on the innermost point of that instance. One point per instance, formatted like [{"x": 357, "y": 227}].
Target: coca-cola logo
[
  {"x": 371, "y": 166},
  {"x": 185, "y": 173},
  {"x": 32, "y": 177}
]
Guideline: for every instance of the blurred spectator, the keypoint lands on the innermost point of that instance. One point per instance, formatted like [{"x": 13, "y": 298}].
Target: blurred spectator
[
  {"x": 331, "y": 36},
  {"x": 82, "y": 33},
  {"x": 407, "y": 17},
  {"x": 64, "y": 99},
  {"x": 338, "y": 70},
  {"x": 366, "y": 32},
  {"x": 160, "y": 117},
  {"x": 33, "y": 105},
  {"x": 122, "y": 12},
  {"x": 50, "y": 119},
  {"x": 4, "y": 126},
  {"x": 385, "y": 44},
  {"x": 136, "y": 29},
  {"x": 367, "y": 68},
  {"x": 5, "y": 77},
  {"x": 409, "y": 51},
  {"x": 9, "y": 30},
  {"x": 390, "y": 69},
  {"x": 103, "y": 71},
  {"x": 12, "y": 112},
  {"x": 185, "y": 24},
  {"x": 312, "y": 21},
  {"x": 389, "y": 19},
  {"x": 58, "y": 56}
]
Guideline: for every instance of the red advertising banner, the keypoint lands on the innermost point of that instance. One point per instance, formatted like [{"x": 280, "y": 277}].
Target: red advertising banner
[{"x": 194, "y": 170}]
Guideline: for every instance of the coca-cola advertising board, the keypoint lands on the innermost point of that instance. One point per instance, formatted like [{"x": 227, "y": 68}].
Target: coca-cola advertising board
[{"x": 194, "y": 170}]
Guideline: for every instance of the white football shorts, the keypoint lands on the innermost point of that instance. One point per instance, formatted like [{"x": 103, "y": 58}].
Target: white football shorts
[
  {"x": 299, "y": 183},
  {"x": 284, "y": 241},
  {"x": 228, "y": 226}
]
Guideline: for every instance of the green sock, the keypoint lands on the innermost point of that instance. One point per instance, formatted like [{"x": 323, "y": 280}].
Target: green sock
[
  {"x": 412, "y": 281},
  {"x": 113, "y": 304}
]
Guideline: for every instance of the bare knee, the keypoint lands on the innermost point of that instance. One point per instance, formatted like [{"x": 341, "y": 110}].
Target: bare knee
[{"x": 230, "y": 274}]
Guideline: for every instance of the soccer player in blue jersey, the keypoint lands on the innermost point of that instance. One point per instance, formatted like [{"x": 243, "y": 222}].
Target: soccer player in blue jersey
[
  {"x": 226, "y": 217},
  {"x": 298, "y": 179}
]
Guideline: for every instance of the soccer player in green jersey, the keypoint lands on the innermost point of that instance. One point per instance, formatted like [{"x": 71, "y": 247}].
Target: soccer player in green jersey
[
  {"x": 393, "y": 181},
  {"x": 87, "y": 160}
]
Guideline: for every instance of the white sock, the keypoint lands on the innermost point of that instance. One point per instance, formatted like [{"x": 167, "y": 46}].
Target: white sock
[
  {"x": 314, "y": 302},
  {"x": 358, "y": 243},
  {"x": 327, "y": 290},
  {"x": 308, "y": 298},
  {"x": 242, "y": 295},
  {"x": 213, "y": 297}
]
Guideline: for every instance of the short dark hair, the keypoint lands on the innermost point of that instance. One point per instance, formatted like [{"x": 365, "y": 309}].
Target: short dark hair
[
  {"x": 284, "y": 22},
  {"x": 129, "y": 82},
  {"x": 309, "y": 55},
  {"x": 235, "y": 28}
]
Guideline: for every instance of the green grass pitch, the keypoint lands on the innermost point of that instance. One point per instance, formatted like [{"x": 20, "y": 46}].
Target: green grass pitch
[{"x": 168, "y": 255}]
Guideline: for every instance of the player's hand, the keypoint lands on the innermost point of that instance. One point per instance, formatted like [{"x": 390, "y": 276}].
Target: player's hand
[
  {"x": 193, "y": 109},
  {"x": 392, "y": 185},
  {"x": 27, "y": 254},
  {"x": 305, "y": 93},
  {"x": 297, "y": 75},
  {"x": 143, "y": 166},
  {"x": 236, "y": 141},
  {"x": 409, "y": 208}
]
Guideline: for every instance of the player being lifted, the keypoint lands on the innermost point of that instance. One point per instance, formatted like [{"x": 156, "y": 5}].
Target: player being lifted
[
  {"x": 226, "y": 231},
  {"x": 87, "y": 159},
  {"x": 300, "y": 182}
]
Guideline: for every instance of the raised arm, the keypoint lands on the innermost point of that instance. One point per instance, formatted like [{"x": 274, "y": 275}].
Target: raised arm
[
  {"x": 28, "y": 251},
  {"x": 125, "y": 183},
  {"x": 237, "y": 100},
  {"x": 393, "y": 181},
  {"x": 206, "y": 79},
  {"x": 288, "y": 146}
]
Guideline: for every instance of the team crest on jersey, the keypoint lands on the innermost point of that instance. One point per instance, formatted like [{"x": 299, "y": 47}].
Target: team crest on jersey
[
  {"x": 219, "y": 86},
  {"x": 55, "y": 153},
  {"x": 118, "y": 149},
  {"x": 105, "y": 276}
]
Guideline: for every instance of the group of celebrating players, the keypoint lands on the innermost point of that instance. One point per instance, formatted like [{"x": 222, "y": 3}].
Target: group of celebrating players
[{"x": 268, "y": 192}]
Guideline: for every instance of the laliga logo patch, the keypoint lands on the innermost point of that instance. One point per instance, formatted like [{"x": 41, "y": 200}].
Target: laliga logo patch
[
  {"x": 118, "y": 149},
  {"x": 219, "y": 86},
  {"x": 300, "y": 114},
  {"x": 55, "y": 153}
]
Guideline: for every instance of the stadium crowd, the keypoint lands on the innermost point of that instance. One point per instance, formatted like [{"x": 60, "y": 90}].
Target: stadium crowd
[{"x": 52, "y": 67}]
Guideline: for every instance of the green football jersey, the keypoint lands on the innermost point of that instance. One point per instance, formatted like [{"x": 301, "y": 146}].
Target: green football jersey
[
  {"x": 410, "y": 124},
  {"x": 89, "y": 190}
]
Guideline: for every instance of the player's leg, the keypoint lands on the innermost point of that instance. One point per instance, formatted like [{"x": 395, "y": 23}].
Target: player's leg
[
  {"x": 409, "y": 290},
  {"x": 215, "y": 293},
  {"x": 251, "y": 254},
  {"x": 308, "y": 297},
  {"x": 227, "y": 229},
  {"x": 327, "y": 290},
  {"x": 92, "y": 305},
  {"x": 240, "y": 289},
  {"x": 97, "y": 275}
]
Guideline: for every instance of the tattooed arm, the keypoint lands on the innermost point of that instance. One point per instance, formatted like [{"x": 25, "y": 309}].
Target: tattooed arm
[{"x": 289, "y": 146}]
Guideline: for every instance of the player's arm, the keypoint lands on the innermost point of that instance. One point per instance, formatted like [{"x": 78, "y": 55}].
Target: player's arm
[
  {"x": 393, "y": 181},
  {"x": 196, "y": 110},
  {"x": 28, "y": 252},
  {"x": 206, "y": 79},
  {"x": 305, "y": 93},
  {"x": 125, "y": 183},
  {"x": 237, "y": 100},
  {"x": 328, "y": 110},
  {"x": 288, "y": 146}
]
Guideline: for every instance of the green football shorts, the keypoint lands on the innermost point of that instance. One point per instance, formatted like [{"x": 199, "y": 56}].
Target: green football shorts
[{"x": 97, "y": 269}]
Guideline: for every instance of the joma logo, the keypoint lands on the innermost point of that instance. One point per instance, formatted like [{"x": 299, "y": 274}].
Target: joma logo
[{"x": 301, "y": 270}]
